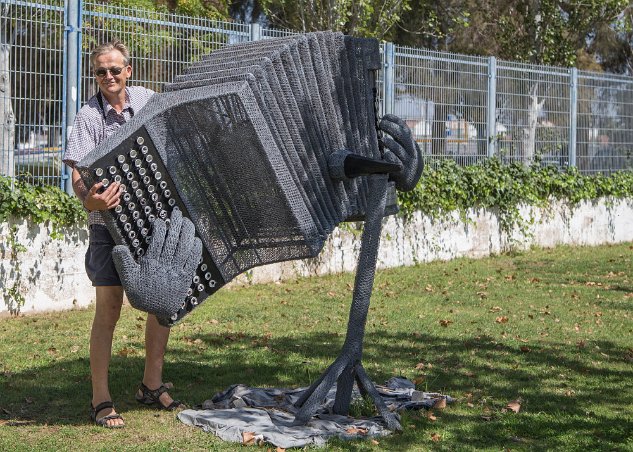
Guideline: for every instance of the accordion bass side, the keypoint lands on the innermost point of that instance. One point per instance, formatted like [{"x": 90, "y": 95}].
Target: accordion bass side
[{"x": 240, "y": 144}]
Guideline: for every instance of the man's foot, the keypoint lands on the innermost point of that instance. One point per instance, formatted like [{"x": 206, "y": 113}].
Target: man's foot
[
  {"x": 159, "y": 397},
  {"x": 105, "y": 415}
]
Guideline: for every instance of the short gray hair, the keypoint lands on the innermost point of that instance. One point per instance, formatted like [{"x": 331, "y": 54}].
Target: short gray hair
[{"x": 109, "y": 47}]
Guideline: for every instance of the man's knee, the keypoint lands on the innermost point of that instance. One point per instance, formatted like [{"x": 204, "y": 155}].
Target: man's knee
[{"x": 109, "y": 302}]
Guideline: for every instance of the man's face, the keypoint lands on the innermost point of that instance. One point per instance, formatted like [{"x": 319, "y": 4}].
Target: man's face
[{"x": 108, "y": 82}]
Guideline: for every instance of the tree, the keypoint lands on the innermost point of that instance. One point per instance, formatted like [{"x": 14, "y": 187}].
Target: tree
[{"x": 367, "y": 18}]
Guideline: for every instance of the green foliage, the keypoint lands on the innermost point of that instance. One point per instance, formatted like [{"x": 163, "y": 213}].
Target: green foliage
[
  {"x": 39, "y": 204},
  {"x": 446, "y": 187}
]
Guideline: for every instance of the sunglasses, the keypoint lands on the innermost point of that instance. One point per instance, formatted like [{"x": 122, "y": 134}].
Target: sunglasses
[{"x": 102, "y": 71}]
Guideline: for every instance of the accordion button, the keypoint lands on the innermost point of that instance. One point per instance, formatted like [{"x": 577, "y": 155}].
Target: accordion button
[
  {"x": 136, "y": 214},
  {"x": 174, "y": 317},
  {"x": 196, "y": 279},
  {"x": 149, "y": 158},
  {"x": 122, "y": 218},
  {"x": 142, "y": 171},
  {"x": 207, "y": 276},
  {"x": 138, "y": 163},
  {"x": 118, "y": 209},
  {"x": 153, "y": 167},
  {"x": 147, "y": 180},
  {"x": 155, "y": 197},
  {"x": 99, "y": 172},
  {"x": 140, "y": 140},
  {"x": 158, "y": 205},
  {"x": 200, "y": 287},
  {"x": 112, "y": 170},
  {"x": 140, "y": 252},
  {"x": 193, "y": 301},
  {"x": 140, "y": 223},
  {"x": 203, "y": 267},
  {"x": 167, "y": 222},
  {"x": 131, "y": 206},
  {"x": 132, "y": 235},
  {"x": 147, "y": 210},
  {"x": 129, "y": 176},
  {"x": 183, "y": 305},
  {"x": 150, "y": 188},
  {"x": 212, "y": 283},
  {"x": 120, "y": 158},
  {"x": 105, "y": 182},
  {"x": 171, "y": 202},
  {"x": 125, "y": 167},
  {"x": 136, "y": 242},
  {"x": 133, "y": 153},
  {"x": 134, "y": 184},
  {"x": 167, "y": 193},
  {"x": 151, "y": 218},
  {"x": 139, "y": 193},
  {"x": 118, "y": 178},
  {"x": 142, "y": 202},
  {"x": 163, "y": 214},
  {"x": 123, "y": 188},
  {"x": 127, "y": 227},
  {"x": 144, "y": 150},
  {"x": 127, "y": 197},
  {"x": 144, "y": 232},
  {"x": 189, "y": 292},
  {"x": 158, "y": 175},
  {"x": 162, "y": 184}
]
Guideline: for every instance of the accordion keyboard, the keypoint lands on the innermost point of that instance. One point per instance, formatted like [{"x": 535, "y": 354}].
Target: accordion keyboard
[{"x": 148, "y": 194}]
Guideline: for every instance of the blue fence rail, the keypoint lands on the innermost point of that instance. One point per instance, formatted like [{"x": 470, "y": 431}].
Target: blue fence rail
[{"x": 460, "y": 107}]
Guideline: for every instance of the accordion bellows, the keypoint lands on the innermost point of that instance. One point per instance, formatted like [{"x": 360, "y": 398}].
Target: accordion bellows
[{"x": 240, "y": 143}]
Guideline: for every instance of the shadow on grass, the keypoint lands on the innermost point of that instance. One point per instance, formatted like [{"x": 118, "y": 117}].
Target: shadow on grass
[{"x": 58, "y": 394}]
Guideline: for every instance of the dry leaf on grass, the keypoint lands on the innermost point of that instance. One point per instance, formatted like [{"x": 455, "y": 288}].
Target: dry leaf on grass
[
  {"x": 431, "y": 417},
  {"x": 250, "y": 438},
  {"x": 356, "y": 431},
  {"x": 374, "y": 442},
  {"x": 440, "y": 404},
  {"x": 435, "y": 437},
  {"x": 514, "y": 406},
  {"x": 445, "y": 322},
  {"x": 501, "y": 319},
  {"x": 525, "y": 349}
]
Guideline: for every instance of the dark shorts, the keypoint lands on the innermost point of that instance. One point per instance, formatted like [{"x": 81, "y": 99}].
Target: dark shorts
[{"x": 99, "y": 264}]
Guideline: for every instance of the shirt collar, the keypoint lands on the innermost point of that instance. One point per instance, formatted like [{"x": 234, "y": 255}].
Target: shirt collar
[{"x": 126, "y": 106}]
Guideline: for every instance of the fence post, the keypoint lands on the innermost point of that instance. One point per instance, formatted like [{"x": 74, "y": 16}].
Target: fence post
[
  {"x": 573, "y": 115},
  {"x": 71, "y": 74},
  {"x": 256, "y": 32},
  {"x": 388, "y": 82},
  {"x": 492, "y": 106}
]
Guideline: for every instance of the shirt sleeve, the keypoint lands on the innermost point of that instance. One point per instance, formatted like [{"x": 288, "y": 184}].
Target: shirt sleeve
[{"x": 81, "y": 141}]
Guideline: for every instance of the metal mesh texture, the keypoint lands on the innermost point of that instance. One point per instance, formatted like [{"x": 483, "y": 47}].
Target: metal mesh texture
[{"x": 245, "y": 136}]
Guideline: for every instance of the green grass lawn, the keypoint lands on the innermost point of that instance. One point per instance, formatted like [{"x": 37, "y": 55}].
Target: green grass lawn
[{"x": 551, "y": 328}]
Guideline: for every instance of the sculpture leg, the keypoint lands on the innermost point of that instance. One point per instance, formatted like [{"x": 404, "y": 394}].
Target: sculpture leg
[{"x": 347, "y": 367}]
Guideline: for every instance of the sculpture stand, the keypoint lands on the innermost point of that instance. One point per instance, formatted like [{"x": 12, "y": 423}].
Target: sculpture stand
[{"x": 347, "y": 367}]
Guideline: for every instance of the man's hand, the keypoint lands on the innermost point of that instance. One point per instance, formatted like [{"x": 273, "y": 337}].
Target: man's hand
[
  {"x": 402, "y": 147},
  {"x": 105, "y": 200},
  {"x": 158, "y": 283}
]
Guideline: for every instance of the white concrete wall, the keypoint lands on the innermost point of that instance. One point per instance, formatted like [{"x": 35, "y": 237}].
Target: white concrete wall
[{"x": 50, "y": 274}]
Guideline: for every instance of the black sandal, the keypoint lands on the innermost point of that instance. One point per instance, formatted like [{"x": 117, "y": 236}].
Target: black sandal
[
  {"x": 103, "y": 421},
  {"x": 152, "y": 397}
]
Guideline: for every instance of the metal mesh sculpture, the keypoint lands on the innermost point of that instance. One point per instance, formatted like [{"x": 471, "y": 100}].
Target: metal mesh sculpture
[{"x": 266, "y": 147}]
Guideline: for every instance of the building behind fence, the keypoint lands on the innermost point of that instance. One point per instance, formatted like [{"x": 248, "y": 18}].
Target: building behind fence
[{"x": 460, "y": 107}]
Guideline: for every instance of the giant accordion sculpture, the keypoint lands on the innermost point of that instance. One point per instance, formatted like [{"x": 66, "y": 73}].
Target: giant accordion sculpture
[
  {"x": 266, "y": 147},
  {"x": 240, "y": 143}
]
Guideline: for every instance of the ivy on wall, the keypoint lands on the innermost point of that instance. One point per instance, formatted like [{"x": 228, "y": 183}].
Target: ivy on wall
[
  {"x": 447, "y": 187},
  {"x": 39, "y": 204}
]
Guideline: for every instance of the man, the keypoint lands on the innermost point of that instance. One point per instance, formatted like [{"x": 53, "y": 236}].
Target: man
[{"x": 113, "y": 105}]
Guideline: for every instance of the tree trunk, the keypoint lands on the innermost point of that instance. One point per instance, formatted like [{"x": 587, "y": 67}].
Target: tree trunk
[{"x": 7, "y": 118}]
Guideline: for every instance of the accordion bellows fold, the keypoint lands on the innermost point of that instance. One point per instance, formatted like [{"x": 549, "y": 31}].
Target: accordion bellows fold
[{"x": 240, "y": 143}]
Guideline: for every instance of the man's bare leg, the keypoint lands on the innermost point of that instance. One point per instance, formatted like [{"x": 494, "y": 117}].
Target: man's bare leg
[
  {"x": 156, "y": 337},
  {"x": 108, "y": 310}
]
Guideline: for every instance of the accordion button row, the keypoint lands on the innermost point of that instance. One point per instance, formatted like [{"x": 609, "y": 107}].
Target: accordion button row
[{"x": 146, "y": 196}]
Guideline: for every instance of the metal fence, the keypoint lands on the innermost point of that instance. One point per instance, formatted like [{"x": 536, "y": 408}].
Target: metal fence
[{"x": 460, "y": 107}]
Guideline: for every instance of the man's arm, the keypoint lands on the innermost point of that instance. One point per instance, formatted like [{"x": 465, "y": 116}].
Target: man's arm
[{"x": 95, "y": 199}]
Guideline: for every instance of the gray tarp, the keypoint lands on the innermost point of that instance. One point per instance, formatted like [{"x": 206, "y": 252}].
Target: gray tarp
[{"x": 266, "y": 415}]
